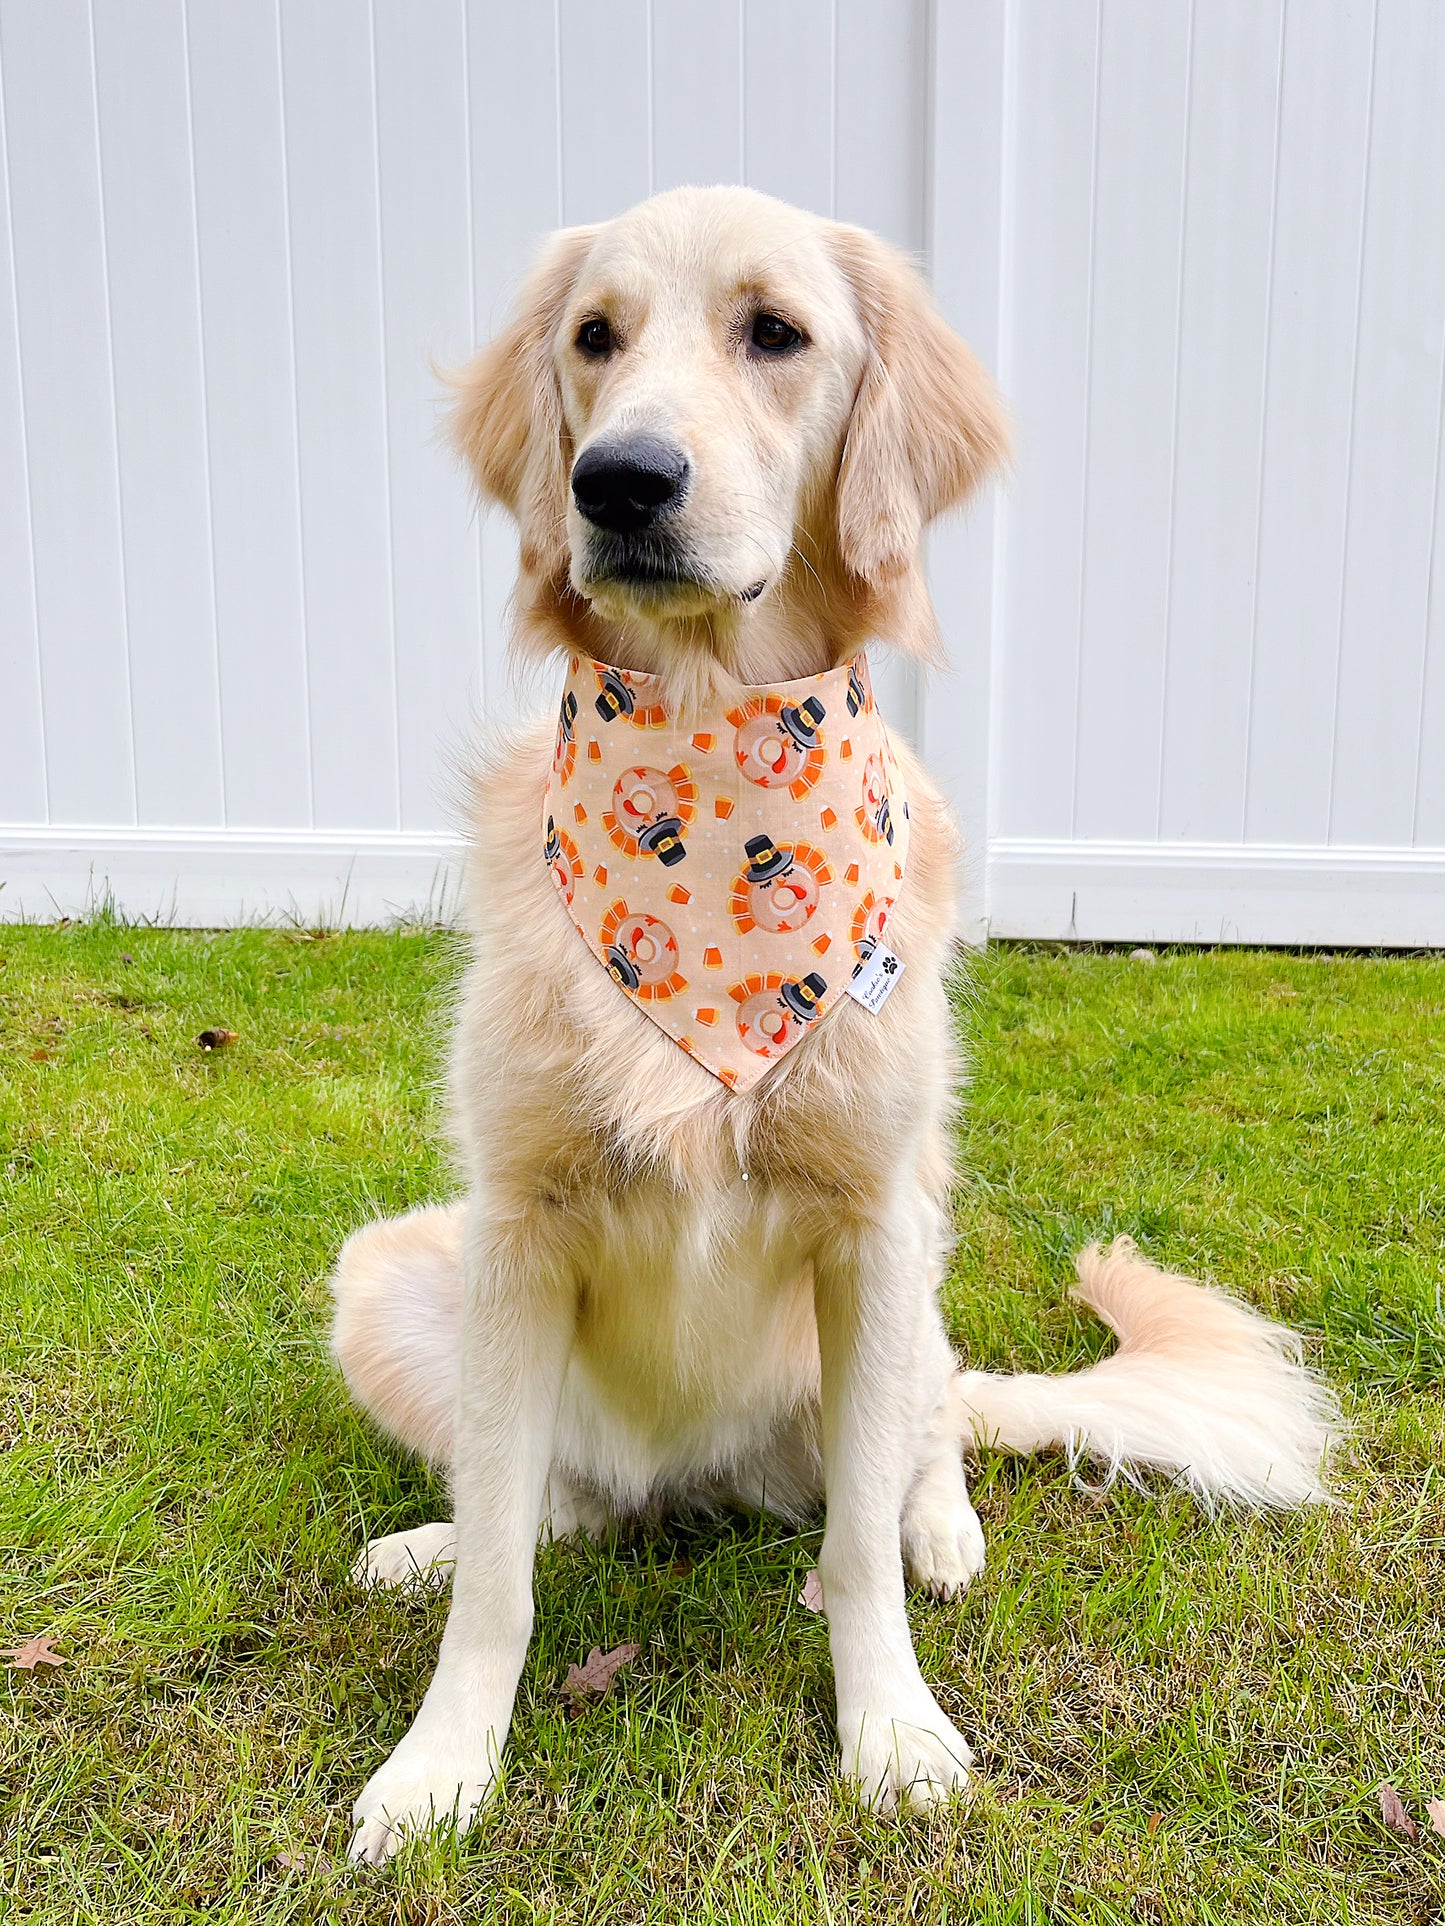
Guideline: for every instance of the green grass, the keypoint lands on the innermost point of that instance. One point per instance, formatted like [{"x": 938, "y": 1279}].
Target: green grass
[{"x": 1177, "y": 1717}]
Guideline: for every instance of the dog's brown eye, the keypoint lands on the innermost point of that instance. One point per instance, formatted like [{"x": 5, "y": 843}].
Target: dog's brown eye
[
  {"x": 595, "y": 338},
  {"x": 774, "y": 335}
]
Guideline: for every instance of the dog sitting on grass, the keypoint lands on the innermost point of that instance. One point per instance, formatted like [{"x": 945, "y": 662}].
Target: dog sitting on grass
[{"x": 704, "y": 1134}]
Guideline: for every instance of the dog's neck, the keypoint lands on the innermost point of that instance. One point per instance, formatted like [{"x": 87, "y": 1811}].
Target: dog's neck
[
  {"x": 808, "y": 621},
  {"x": 703, "y": 657}
]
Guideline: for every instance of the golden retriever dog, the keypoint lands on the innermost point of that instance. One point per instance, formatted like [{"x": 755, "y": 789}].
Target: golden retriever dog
[{"x": 722, "y": 425}]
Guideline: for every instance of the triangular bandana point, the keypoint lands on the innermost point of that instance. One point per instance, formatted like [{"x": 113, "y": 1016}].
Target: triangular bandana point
[{"x": 730, "y": 875}]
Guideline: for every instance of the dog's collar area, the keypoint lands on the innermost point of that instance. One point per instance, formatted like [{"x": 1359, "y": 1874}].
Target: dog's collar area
[{"x": 731, "y": 871}]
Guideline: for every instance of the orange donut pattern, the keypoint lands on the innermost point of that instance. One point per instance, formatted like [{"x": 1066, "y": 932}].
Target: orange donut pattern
[{"x": 729, "y": 869}]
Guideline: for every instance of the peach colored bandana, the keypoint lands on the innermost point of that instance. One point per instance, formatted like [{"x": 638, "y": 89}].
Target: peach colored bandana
[{"x": 733, "y": 875}]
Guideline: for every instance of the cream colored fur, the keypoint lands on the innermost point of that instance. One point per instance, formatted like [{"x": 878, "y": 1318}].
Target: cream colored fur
[{"x": 655, "y": 1289}]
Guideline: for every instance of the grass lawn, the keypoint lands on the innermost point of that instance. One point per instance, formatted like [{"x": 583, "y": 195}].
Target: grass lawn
[{"x": 1177, "y": 1717}]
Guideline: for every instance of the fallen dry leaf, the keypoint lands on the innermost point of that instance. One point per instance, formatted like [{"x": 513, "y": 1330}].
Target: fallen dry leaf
[
  {"x": 811, "y": 1596},
  {"x": 293, "y": 1862},
  {"x": 1152, "y": 1823},
  {"x": 594, "y": 1678},
  {"x": 40, "y": 1056},
  {"x": 31, "y": 1652},
  {"x": 216, "y": 1039},
  {"x": 1436, "y": 1810},
  {"x": 1394, "y": 1814}
]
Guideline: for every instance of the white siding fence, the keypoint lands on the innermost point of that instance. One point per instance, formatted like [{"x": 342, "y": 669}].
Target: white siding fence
[{"x": 246, "y": 618}]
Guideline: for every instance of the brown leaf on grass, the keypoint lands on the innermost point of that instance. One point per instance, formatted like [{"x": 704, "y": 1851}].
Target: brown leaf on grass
[
  {"x": 1436, "y": 1809},
  {"x": 40, "y": 1056},
  {"x": 594, "y": 1678},
  {"x": 1152, "y": 1823},
  {"x": 31, "y": 1652},
  {"x": 1394, "y": 1814},
  {"x": 216, "y": 1039},
  {"x": 811, "y": 1596}
]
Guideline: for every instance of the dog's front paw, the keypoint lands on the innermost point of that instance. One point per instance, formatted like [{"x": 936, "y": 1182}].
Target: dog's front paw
[
  {"x": 421, "y": 1788},
  {"x": 903, "y": 1756}
]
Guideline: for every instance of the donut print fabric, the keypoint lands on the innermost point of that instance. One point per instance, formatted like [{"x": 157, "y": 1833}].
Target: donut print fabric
[{"x": 732, "y": 875}]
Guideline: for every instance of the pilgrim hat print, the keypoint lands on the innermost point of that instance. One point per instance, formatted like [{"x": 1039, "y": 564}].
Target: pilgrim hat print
[
  {"x": 616, "y": 698},
  {"x": 765, "y": 859},
  {"x": 802, "y": 998},
  {"x": 801, "y": 720},
  {"x": 663, "y": 840},
  {"x": 855, "y": 690},
  {"x": 552, "y": 848},
  {"x": 621, "y": 968}
]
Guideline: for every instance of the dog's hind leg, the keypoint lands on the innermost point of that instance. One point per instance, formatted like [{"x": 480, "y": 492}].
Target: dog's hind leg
[
  {"x": 425, "y": 1554},
  {"x": 396, "y": 1336},
  {"x": 943, "y": 1544},
  {"x": 397, "y": 1331},
  {"x": 422, "y": 1556}
]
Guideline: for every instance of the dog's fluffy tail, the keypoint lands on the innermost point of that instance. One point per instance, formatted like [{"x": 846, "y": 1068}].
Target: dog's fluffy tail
[{"x": 1200, "y": 1386}]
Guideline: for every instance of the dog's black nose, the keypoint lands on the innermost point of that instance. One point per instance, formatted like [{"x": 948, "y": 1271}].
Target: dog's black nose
[{"x": 627, "y": 485}]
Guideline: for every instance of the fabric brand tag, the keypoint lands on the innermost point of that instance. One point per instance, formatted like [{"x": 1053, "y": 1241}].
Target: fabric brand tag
[{"x": 875, "y": 979}]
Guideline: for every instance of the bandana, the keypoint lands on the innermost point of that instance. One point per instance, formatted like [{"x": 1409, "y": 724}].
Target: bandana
[{"x": 731, "y": 876}]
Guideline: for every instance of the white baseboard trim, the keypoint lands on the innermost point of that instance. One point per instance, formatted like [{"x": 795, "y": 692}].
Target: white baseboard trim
[
  {"x": 1102, "y": 892},
  {"x": 1116, "y": 892},
  {"x": 219, "y": 878}
]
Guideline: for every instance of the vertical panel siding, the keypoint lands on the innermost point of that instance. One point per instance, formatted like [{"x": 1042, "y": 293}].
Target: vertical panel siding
[
  {"x": 155, "y": 333},
  {"x": 240, "y": 581},
  {"x": 333, "y": 239},
  {"x": 1051, "y": 165},
  {"x": 789, "y": 74},
  {"x": 1227, "y": 234},
  {"x": 1395, "y": 440},
  {"x": 881, "y": 91},
  {"x": 1313, "y": 324},
  {"x": 1142, "y": 118},
  {"x": 606, "y": 106},
  {"x": 22, "y": 713},
  {"x": 251, "y": 401},
  {"x": 1429, "y": 817},
  {"x": 58, "y": 237},
  {"x": 423, "y": 149},
  {"x": 696, "y": 60}
]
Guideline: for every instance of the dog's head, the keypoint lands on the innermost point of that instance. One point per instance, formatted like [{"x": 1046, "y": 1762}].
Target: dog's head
[{"x": 720, "y": 414}]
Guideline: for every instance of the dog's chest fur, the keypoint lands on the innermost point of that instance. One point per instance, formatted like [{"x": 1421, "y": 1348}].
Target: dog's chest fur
[{"x": 683, "y": 1213}]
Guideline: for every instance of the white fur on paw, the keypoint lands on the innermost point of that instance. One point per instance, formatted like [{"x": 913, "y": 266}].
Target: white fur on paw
[
  {"x": 422, "y": 1556},
  {"x": 419, "y": 1789},
  {"x": 900, "y": 1758},
  {"x": 943, "y": 1547}
]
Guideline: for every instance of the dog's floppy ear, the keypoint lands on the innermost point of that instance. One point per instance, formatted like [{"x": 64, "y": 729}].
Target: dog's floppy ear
[
  {"x": 928, "y": 426},
  {"x": 507, "y": 418}
]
